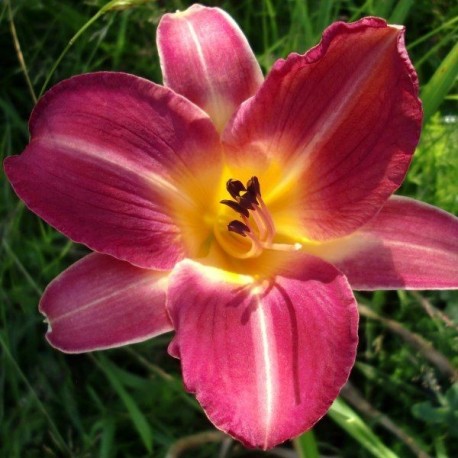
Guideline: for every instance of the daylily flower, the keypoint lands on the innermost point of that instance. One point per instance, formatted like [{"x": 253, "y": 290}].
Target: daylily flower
[{"x": 236, "y": 211}]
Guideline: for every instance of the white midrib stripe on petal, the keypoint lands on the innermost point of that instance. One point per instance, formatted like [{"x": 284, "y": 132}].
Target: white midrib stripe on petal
[
  {"x": 93, "y": 303},
  {"x": 90, "y": 150},
  {"x": 350, "y": 89},
  {"x": 328, "y": 126},
  {"x": 200, "y": 53},
  {"x": 215, "y": 105},
  {"x": 266, "y": 376}
]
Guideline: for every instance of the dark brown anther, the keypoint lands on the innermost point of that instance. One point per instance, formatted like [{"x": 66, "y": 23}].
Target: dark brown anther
[
  {"x": 253, "y": 186},
  {"x": 238, "y": 227},
  {"x": 250, "y": 197},
  {"x": 236, "y": 207},
  {"x": 247, "y": 201},
  {"x": 235, "y": 187}
]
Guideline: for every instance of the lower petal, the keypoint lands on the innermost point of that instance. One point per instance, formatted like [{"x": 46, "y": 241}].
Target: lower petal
[
  {"x": 266, "y": 358},
  {"x": 101, "y": 302},
  {"x": 409, "y": 244}
]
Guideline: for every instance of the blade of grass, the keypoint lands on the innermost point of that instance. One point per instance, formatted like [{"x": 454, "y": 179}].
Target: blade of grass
[
  {"x": 304, "y": 27},
  {"x": 60, "y": 442},
  {"x": 325, "y": 13},
  {"x": 20, "y": 56},
  {"x": 21, "y": 267},
  {"x": 174, "y": 384},
  {"x": 107, "y": 440},
  {"x": 138, "y": 419},
  {"x": 433, "y": 32},
  {"x": 400, "y": 12},
  {"x": 416, "y": 341},
  {"x": 440, "y": 83},
  {"x": 356, "y": 13},
  {"x": 352, "y": 395},
  {"x": 306, "y": 446},
  {"x": 113, "y": 5},
  {"x": 352, "y": 423},
  {"x": 433, "y": 50}
]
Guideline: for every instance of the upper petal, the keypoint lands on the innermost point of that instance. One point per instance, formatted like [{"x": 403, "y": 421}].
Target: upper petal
[
  {"x": 333, "y": 129},
  {"x": 409, "y": 244},
  {"x": 266, "y": 358},
  {"x": 205, "y": 57},
  {"x": 122, "y": 165},
  {"x": 101, "y": 302}
]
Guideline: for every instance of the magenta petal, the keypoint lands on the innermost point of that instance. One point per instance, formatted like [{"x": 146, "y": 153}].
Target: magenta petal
[
  {"x": 205, "y": 57},
  {"x": 409, "y": 244},
  {"x": 110, "y": 162},
  {"x": 265, "y": 360},
  {"x": 101, "y": 302},
  {"x": 342, "y": 121}
]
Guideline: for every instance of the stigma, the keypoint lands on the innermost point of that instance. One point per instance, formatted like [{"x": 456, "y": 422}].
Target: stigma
[{"x": 255, "y": 222}]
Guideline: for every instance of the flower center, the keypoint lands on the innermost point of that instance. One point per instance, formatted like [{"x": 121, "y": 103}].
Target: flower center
[{"x": 255, "y": 224}]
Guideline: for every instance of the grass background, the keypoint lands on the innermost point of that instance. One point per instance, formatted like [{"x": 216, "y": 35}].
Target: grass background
[{"x": 130, "y": 402}]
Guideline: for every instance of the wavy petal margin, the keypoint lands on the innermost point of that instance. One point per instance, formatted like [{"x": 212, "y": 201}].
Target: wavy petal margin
[
  {"x": 116, "y": 162},
  {"x": 408, "y": 245},
  {"x": 206, "y": 57},
  {"x": 101, "y": 302},
  {"x": 265, "y": 359},
  {"x": 337, "y": 126}
]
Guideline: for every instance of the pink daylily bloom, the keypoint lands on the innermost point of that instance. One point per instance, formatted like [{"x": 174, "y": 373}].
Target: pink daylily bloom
[{"x": 237, "y": 212}]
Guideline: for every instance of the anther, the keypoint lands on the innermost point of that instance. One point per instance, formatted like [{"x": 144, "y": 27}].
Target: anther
[
  {"x": 253, "y": 186},
  {"x": 238, "y": 227},
  {"x": 247, "y": 201},
  {"x": 238, "y": 207},
  {"x": 257, "y": 225},
  {"x": 234, "y": 188}
]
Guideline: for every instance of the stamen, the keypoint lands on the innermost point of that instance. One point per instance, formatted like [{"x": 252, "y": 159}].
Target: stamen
[
  {"x": 247, "y": 201},
  {"x": 253, "y": 186},
  {"x": 260, "y": 230},
  {"x": 238, "y": 227},
  {"x": 262, "y": 227},
  {"x": 236, "y": 206},
  {"x": 234, "y": 188},
  {"x": 267, "y": 218}
]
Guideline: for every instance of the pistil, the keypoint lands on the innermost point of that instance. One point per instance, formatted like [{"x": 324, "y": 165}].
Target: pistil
[{"x": 257, "y": 224}]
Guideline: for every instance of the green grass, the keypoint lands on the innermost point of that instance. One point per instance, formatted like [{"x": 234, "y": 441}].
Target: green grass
[{"x": 130, "y": 402}]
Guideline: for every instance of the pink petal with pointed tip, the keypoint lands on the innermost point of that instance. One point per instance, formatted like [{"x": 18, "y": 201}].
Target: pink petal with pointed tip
[
  {"x": 110, "y": 161},
  {"x": 409, "y": 244},
  {"x": 265, "y": 360},
  {"x": 341, "y": 120},
  {"x": 101, "y": 302},
  {"x": 205, "y": 57}
]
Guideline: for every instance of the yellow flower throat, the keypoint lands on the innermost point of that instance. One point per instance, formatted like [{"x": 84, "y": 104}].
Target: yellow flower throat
[{"x": 256, "y": 225}]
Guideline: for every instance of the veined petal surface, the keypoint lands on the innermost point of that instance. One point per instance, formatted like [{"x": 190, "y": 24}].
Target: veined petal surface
[
  {"x": 101, "y": 302},
  {"x": 114, "y": 162},
  {"x": 206, "y": 57},
  {"x": 409, "y": 245},
  {"x": 335, "y": 128},
  {"x": 265, "y": 359}
]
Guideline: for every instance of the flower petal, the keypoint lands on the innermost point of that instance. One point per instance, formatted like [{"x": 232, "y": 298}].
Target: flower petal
[
  {"x": 337, "y": 125},
  {"x": 205, "y": 57},
  {"x": 101, "y": 302},
  {"x": 114, "y": 162},
  {"x": 265, "y": 359},
  {"x": 409, "y": 244}
]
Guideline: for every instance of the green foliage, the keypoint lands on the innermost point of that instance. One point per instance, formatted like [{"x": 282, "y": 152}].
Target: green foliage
[
  {"x": 352, "y": 423},
  {"x": 130, "y": 402},
  {"x": 444, "y": 413},
  {"x": 434, "y": 171}
]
